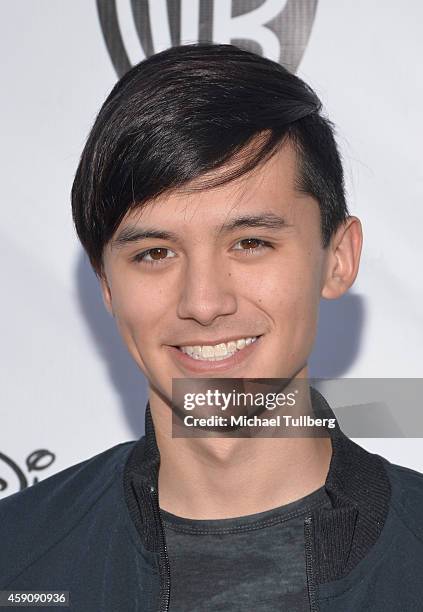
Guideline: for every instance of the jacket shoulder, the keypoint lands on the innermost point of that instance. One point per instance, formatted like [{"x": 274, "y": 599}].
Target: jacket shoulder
[
  {"x": 407, "y": 495},
  {"x": 33, "y": 520}
]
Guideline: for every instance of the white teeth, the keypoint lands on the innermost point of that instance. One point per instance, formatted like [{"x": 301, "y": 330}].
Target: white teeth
[
  {"x": 218, "y": 351},
  {"x": 207, "y": 351}
]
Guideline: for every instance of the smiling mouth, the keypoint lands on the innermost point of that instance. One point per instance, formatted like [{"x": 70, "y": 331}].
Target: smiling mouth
[{"x": 217, "y": 352}]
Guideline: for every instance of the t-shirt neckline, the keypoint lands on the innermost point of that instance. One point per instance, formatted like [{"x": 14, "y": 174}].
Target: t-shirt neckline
[{"x": 258, "y": 520}]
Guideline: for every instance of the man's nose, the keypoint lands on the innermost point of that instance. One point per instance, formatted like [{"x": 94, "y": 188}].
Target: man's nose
[{"x": 207, "y": 291}]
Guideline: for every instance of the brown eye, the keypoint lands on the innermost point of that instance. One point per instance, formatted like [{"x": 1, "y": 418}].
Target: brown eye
[
  {"x": 153, "y": 256},
  {"x": 159, "y": 251},
  {"x": 253, "y": 245},
  {"x": 250, "y": 242}
]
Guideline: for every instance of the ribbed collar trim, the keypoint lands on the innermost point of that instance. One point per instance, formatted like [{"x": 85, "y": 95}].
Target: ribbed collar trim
[{"x": 357, "y": 485}]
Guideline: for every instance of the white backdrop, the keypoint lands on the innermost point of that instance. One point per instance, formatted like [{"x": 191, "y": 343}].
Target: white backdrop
[{"x": 68, "y": 385}]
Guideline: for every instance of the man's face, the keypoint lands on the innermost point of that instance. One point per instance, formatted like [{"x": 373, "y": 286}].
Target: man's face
[{"x": 213, "y": 285}]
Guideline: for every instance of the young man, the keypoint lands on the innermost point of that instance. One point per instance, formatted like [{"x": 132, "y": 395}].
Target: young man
[{"x": 210, "y": 200}]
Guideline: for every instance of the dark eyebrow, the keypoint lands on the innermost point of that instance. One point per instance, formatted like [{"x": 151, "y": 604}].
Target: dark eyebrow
[
  {"x": 133, "y": 233},
  {"x": 267, "y": 220}
]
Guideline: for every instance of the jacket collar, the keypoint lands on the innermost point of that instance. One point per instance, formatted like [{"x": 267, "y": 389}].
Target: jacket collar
[{"x": 357, "y": 485}]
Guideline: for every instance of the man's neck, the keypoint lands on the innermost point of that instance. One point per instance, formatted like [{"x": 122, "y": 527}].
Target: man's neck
[{"x": 215, "y": 478}]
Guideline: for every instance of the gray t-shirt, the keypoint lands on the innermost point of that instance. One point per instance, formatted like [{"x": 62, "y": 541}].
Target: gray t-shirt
[{"x": 254, "y": 562}]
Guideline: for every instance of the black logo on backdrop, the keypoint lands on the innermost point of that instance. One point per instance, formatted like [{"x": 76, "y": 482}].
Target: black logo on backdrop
[
  {"x": 136, "y": 29},
  {"x": 17, "y": 478}
]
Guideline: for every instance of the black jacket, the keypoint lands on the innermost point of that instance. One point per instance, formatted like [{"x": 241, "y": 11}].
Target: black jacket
[{"x": 95, "y": 530}]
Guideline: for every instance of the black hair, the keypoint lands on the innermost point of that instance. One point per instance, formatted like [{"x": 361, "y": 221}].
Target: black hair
[{"x": 191, "y": 109}]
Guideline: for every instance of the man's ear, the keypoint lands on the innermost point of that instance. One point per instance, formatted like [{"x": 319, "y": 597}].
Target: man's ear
[
  {"x": 107, "y": 294},
  {"x": 343, "y": 259}
]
